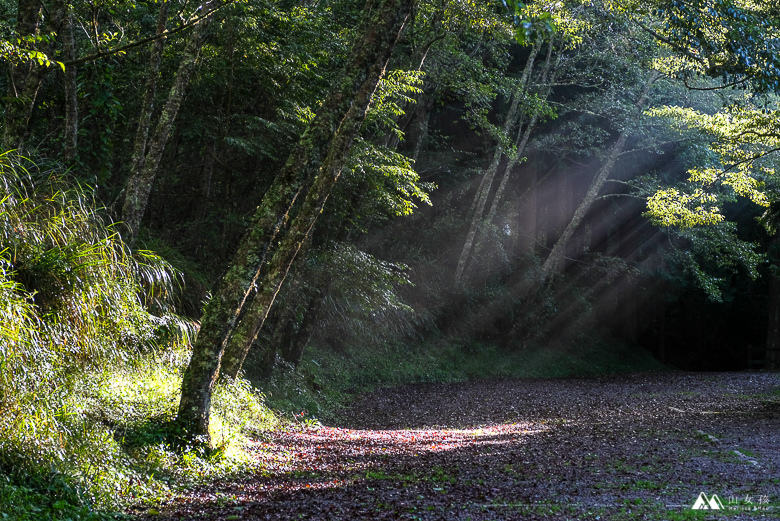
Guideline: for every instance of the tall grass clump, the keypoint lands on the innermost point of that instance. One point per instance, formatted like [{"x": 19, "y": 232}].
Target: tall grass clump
[{"x": 91, "y": 357}]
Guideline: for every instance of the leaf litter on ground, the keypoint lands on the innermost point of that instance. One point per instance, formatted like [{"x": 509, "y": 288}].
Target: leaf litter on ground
[{"x": 619, "y": 447}]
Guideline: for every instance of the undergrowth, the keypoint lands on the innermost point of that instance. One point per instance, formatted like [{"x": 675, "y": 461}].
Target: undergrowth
[
  {"x": 327, "y": 378},
  {"x": 91, "y": 358},
  {"x": 107, "y": 443}
]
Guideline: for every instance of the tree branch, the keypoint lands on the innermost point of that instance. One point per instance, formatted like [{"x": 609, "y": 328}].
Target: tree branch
[
  {"x": 651, "y": 145},
  {"x": 103, "y": 54},
  {"x": 774, "y": 135},
  {"x": 756, "y": 157},
  {"x": 669, "y": 42},
  {"x": 721, "y": 87},
  {"x": 599, "y": 198}
]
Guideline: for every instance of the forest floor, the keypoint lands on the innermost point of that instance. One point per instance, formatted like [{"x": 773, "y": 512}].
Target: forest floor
[{"x": 620, "y": 447}]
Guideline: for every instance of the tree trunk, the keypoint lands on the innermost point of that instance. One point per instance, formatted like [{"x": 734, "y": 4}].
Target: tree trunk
[
  {"x": 283, "y": 336},
  {"x": 267, "y": 361},
  {"x": 526, "y": 238},
  {"x": 291, "y": 244},
  {"x": 521, "y": 143},
  {"x": 292, "y": 352},
  {"x": 150, "y": 89},
  {"x": 321, "y": 152},
  {"x": 559, "y": 248},
  {"x": 416, "y": 60},
  {"x": 207, "y": 173},
  {"x": 418, "y": 132},
  {"x": 485, "y": 185},
  {"x": 235, "y": 354},
  {"x": 558, "y": 251},
  {"x": 147, "y": 156},
  {"x": 773, "y": 327},
  {"x": 662, "y": 326},
  {"x": 24, "y": 80}
]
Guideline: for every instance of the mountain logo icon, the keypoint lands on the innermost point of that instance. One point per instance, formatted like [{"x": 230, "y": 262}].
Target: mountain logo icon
[{"x": 704, "y": 503}]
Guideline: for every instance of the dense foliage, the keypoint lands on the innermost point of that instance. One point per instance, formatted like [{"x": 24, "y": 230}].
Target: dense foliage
[{"x": 455, "y": 188}]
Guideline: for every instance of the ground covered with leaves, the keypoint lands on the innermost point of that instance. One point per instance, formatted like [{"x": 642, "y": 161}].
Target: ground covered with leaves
[{"x": 619, "y": 447}]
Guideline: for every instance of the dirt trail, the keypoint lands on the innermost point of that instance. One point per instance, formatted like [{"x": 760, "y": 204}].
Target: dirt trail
[{"x": 627, "y": 447}]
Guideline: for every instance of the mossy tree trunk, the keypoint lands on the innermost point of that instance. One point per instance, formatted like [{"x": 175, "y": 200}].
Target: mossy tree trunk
[
  {"x": 318, "y": 158},
  {"x": 282, "y": 323},
  {"x": 236, "y": 353},
  {"x": 304, "y": 221}
]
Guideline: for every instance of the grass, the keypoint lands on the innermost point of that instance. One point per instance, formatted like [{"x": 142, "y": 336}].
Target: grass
[
  {"x": 25, "y": 503},
  {"x": 110, "y": 444}
]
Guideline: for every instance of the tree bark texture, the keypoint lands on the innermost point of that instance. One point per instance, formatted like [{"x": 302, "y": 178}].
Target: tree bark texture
[
  {"x": 239, "y": 340},
  {"x": 320, "y": 154},
  {"x": 235, "y": 354},
  {"x": 300, "y": 230},
  {"x": 144, "y": 168}
]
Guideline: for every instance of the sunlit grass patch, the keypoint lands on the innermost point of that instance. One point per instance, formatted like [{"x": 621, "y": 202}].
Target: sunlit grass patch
[
  {"x": 139, "y": 403},
  {"x": 112, "y": 443}
]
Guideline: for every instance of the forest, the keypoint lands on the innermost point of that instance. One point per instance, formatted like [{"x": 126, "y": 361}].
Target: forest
[{"x": 233, "y": 232}]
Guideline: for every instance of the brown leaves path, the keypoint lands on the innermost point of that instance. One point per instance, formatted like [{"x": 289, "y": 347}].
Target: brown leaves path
[{"x": 628, "y": 447}]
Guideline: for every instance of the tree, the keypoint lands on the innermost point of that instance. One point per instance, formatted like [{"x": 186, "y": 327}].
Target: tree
[
  {"x": 734, "y": 42},
  {"x": 379, "y": 183},
  {"x": 311, "y": 172},
  {"x": 486, "y": 184}
]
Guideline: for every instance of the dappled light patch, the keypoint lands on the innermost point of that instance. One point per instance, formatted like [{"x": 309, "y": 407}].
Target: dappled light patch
[{"x": 333, "y": 448}]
